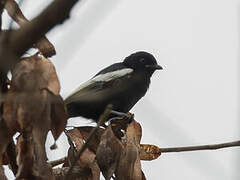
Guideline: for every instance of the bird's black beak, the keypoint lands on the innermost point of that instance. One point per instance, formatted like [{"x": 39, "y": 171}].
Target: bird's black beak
[{"x": 154, "y": 67}]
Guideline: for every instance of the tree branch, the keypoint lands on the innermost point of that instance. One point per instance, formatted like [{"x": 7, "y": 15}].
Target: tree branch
[
  {"x": 14, "y": 11},
  {"x": 58, "y": 161},
  {"x": 15, "y": 43},
  {"x": 31, "y": 32},
  {"x": 77, "y": 173},
  {"x": 177, "y": 149},
  {"x": 202, "y": 147}
]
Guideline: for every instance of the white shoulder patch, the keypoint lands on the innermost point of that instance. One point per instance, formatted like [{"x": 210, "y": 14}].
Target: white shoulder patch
[
  {"x": 112, "y": 75},
  {"x": 104, "y": 78}
]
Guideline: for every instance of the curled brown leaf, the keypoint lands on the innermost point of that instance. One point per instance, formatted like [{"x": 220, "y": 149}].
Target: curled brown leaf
[
  {"x": 31, "y": 157},
  {"x": 93, "y": 144},
  {"x": 58, "y": 115},
  {"x": 35, "y": 73},
  {"x": 149, "y": 152},
  {"x": 129, "y": 166},
  {"x": 108, "y": 153},
  {"x": 134, "y": 132},
  {"x": 87, "y": 159},
  {"x": 33, "y": 107}
]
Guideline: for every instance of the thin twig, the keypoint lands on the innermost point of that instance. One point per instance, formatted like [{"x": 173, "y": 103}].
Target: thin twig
[
  {"x": 101, "y": 120},
  {"x": 202, "y": 147},
  {"x": 77, "y": 172},
  {"x": 58, "y": 161},
  {"x": 178, "y": 149}
]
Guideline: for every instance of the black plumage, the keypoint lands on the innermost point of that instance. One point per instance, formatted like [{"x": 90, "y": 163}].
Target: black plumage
[{"x": 121, "y": 84}]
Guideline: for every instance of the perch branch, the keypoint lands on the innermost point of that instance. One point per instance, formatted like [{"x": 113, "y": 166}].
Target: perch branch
[
  {"x": 178, "y": 149},
  {"x": 202, "y": 147}
]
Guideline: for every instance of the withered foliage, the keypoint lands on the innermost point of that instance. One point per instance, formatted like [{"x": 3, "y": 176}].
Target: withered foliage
[
  {"x": 118, "y": 157},
  {"x": 31, "y": 106},
  {"x": 87, "y": 161}
]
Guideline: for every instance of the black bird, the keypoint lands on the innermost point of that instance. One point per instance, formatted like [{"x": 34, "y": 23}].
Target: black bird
[{"x": 121, "y": 84}]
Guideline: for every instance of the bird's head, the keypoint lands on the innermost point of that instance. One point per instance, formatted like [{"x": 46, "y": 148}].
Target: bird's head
[{"x": 142, "y": 61}]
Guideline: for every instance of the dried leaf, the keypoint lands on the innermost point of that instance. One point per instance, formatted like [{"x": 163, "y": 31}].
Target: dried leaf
[
  {"x": 58, "y": 116},
  {"x": 5, "y": 138},
  {"x": 27, "y": 97},
  {"x": 87, "y": 159},
  {"x": 93, "y": 144},
  {"x": 34, "y": 122},
  {"x": 33, "y": 107},
  {"x": 129, "y": 166},
  {"x": 31, "y": 113},
  {"x": 31, "y": 157},
  {"x": 75, "y": 137},
  {"x": 149, "y": 152},
  {"x": 45, "y": 47},
  {"x": 25, "y": 157},
  {"x": 12, "y": 156},
  {"x": 108, "y": 153},
  {"x": 35, "y": 73},
  {"x": 49, "y": 75},
  {"x": 134, "y": 132}
]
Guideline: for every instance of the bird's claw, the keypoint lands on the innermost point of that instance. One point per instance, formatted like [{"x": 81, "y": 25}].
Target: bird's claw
[{"x": 122, "y": 116}]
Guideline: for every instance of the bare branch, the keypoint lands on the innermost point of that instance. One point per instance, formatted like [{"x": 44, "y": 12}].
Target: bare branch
[
  {"x": 58, "y": 161},
  {"x": 176, "y": 149},
  {"x": 77, "y": 173},
  {"x": 44, "y": 45},
  {"x": 25, "y": 37},
  {"x": 16, "y": 42},
  {"x": 202, "y": 147}
]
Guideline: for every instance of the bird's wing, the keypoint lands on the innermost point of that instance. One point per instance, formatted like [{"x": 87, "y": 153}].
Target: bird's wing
[
  {"x": 111, "y": 68},
  {"x": 97, "y": 82}
]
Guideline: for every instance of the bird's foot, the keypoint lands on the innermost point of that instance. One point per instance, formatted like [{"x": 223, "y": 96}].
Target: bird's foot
[
  {"x": 119, "y": 124},
  {"x": 125, "y": 116},
  {"x": 122, "y": 118}
]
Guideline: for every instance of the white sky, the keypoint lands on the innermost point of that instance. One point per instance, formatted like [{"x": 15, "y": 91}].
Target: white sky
[{"x": 193, "y": 101}]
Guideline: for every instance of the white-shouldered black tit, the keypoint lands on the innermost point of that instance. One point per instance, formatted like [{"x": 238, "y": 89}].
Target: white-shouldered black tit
[{"x": 121, "y": 84}]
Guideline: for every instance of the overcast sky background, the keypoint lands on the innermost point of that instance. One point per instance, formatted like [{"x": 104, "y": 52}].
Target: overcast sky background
[{"x": 194, "y": 100}]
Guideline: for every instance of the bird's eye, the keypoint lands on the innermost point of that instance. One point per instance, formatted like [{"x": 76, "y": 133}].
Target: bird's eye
[{"x": 142, "y": 60}]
